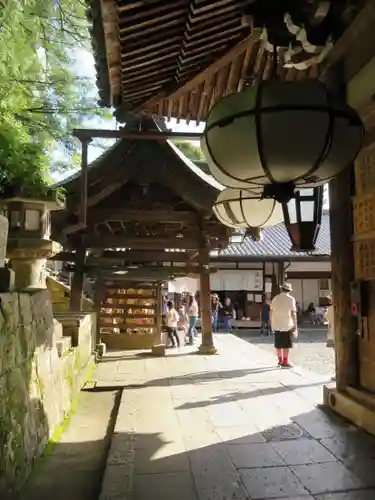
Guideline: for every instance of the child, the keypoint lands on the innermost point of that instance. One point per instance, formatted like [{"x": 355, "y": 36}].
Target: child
[
  {"x": 183, "y": 321},
  {"x": 171, "y": 320}
]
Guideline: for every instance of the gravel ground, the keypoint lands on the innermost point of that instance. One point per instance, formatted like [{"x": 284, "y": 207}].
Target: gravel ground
[{"x": 309, "y": 352}]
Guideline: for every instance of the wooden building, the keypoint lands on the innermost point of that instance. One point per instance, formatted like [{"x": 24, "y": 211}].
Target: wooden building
[
  {"x": 249, "y": 272},
  {"x": 149, "y": 219},
  {"x": 176, "y": 59}
]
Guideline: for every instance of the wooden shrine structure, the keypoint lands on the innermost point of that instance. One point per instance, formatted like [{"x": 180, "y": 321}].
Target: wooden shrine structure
[{"x": 148, "y": 219}]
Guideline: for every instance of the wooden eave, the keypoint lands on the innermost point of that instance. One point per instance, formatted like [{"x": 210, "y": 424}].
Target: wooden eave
[
  {"x": 177, "y": 58},
  {"x": 140, "y": 163}
]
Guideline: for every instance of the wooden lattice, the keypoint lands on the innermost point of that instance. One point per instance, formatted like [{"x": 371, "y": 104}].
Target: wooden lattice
[
  {"x": 365, "y": 172},
  {"x": 364, "y": 213},
  {"x": 364, "y": 258}
]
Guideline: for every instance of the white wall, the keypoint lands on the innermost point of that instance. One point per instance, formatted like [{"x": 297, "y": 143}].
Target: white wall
[
  {"x": 308, "y": 290},
  {"x": 308, "y": 266},
  {"x": 234, "y": 280}
]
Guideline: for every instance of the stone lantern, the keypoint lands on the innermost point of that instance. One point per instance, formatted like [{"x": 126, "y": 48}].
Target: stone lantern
[{"x": 29, "y": 244}]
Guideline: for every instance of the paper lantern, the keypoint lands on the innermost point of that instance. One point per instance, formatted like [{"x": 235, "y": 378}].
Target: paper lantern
[
  {"x": 241, "y": 208},
  {"x": 280, "y": 133}
]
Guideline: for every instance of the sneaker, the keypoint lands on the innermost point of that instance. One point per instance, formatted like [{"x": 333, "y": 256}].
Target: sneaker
[
  {"x": 279, "y": 363},
  {"x": 287, "y": 365}
]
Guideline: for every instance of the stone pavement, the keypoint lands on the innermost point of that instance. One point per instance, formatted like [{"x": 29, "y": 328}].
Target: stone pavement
[
  {"x": 310, "y": 350},
  {"x": 228, "y": 427},
  {"x": 73, "y": 470}
]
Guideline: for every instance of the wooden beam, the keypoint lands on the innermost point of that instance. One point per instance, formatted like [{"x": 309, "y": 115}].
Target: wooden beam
[
  {"x": 96, "y": 215},
  {"x": 132, "y": 256},
  {"x": 354, "y": 46},
  {"x": 151, "y": 271},
  {"x": 208, "y": 72},
  {"x": 135, "y": 243},
  {"x": 90, "y": 133}
]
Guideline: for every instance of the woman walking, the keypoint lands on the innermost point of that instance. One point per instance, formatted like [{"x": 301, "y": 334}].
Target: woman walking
[{"x": 193, "y": 313}]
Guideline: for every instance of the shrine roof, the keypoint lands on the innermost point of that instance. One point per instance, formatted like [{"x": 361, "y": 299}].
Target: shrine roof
[
  {"x": 276, "y": 243},
  {"x": 160, "y": 161}
]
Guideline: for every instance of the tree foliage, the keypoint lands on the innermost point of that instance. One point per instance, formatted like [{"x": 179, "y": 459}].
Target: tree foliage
[
  {"x": 191, "y": 151},
  {"x": 42, "y": 97}
]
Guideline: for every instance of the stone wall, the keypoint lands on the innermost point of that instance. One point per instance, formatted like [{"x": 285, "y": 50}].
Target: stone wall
[{"x": 37, "y": 381}]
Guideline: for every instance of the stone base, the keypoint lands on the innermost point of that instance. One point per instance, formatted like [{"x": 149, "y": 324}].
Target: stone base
[
  {"x": 353, "y": 409},
  {"x": 158, "y": 350},
  {"x": 7, "y": 280},
  {"x": 207, "y": 349},
  {"x": 101, "y": 349}
]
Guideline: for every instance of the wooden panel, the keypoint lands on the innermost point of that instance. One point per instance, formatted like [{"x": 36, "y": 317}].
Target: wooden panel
[
  {"x": 364, "y": 259},
  {"x": 365, "y": 172},
  {"x": 364, "y": 213}
]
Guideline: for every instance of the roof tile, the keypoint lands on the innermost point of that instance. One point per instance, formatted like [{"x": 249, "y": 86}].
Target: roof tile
[{"x": 276, "y": 243}]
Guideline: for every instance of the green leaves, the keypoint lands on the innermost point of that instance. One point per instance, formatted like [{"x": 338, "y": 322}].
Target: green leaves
[{"x": 42, "y": 98}]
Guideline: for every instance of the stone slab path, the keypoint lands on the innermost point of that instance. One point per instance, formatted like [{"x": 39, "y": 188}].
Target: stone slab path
[
  {"x": 74, "y": 469},
  {"x": 228, "y": 427}
]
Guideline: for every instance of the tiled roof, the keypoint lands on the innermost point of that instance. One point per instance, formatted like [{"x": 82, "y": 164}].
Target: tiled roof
[{"x": 276, "y": 243}]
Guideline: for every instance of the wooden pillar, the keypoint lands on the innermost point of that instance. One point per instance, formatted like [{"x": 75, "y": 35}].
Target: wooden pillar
[
  {"x": 277, "y": 277},
  {"x": 159, "y": 305},
  {"x": 98, "y": 298},
  {"x": 77, "y": 281},
  {"x": 346, "y": 339},
  {"x": 158, "y": 348},
  {"x": 207, "y": 346}
]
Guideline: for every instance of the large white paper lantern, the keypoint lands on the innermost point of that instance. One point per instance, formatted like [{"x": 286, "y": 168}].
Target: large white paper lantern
[
  {"x": 285, "y": 133},
  {"x": 241, "y": 208}
]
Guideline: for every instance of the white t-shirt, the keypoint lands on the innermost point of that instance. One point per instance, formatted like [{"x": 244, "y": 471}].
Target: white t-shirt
[
  {"x": 281, "y": 308},
  {"x": 193, "y": 309},
  {"x": 171, "y": 318}
]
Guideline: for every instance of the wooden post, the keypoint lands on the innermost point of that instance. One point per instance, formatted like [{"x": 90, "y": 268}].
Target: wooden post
[
  {"x": 77, "y": 281},
  {"x": 98, "y": 298},
  {"x": 207, "y": 346},
  {"x": 346, "y": 340},
  {"x": 277, "y": 278},
  {"x": 158, "y": 348},
  {"x": 84, "y": 175},
  {"x": 159, "y": 305}
]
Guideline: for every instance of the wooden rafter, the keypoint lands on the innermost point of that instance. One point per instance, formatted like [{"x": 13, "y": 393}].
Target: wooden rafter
[{"x": 208, "y": 72}]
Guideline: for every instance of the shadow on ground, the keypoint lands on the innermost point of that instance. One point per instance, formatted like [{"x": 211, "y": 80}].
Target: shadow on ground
[{"x": 286, "y": 461}]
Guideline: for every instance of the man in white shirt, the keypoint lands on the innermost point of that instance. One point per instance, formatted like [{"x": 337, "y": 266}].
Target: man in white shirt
[{"x": 284, "y": 323}]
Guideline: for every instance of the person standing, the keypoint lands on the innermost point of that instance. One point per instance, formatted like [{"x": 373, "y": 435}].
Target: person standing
[
  {"x": 171, "y": 321},
  {"x": 193, "y": 313},
  {"x": 284, "y": 323},
  {"x": 228, "y": 314},
  {"x": 215, "y": 305}
]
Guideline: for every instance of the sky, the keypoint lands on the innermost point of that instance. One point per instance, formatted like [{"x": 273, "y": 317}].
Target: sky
[{"x": 84, "y": 65}]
